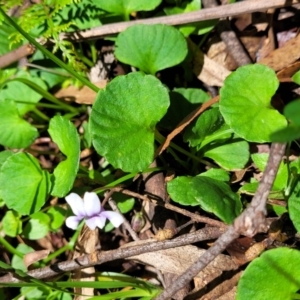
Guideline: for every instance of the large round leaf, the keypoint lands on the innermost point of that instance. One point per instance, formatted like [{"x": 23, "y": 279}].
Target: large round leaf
[
  {"x": 24, "y": 186},
  {"x": 123, "y": 120},
  {"x": 212, "y": 195},
  {"x": 65, "y": 135},
  {"x": 14, "y": 131},
  {"x": 151, "y": 47},
  {"x": 245, "y": 103},
  {"x": 274, "y": 275}
]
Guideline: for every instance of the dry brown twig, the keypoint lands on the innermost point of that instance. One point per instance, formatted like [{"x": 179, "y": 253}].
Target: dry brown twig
[
  {"x": 100, "y": 257},
  {"x": 223, "y": 11}
]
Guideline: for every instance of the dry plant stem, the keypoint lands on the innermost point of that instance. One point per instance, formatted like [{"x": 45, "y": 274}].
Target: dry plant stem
[
  {"x": 194, "y": 217},
  {"x": 233, "y": 44},
  {"x": 229, "y": 37},
  {"x": 251, "y": 221},
  {"x": 185, "y": 122},
  {"x": 204, "y": 14},
  {"x": 133, "y": 234},
  {"x": 100, "y": 257},
  {"x": 126, "y": 224},
  {"x": 15, "y": 55}
]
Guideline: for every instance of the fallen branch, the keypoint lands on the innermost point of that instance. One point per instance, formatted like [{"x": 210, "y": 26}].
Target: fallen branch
[
  {"x": 100, "y": 257},
  {"x": 223, "y": 11}
]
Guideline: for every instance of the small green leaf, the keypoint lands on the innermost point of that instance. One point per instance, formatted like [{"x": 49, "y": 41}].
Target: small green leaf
[
  {"x": 231, "y": 155},
  {"x": 212, "y": 195},
  {"x": 5, "y": 42},
  {"x": 206, "y": 124},
  {"x": 21, "y": 92},
  {"x": 280, "y": 183},
  {"x": 57, "y": 215},
  {"x": 17, "y": 262},
  {"x": 124, "y": 202},
  {"x": 123, "y": 120},
  {"x": 11, "y": 223},
  {"x": 151, "y": 47},
  {"x": 193, "y": 28},
  {"x": 15, "y": 132},
  {"x": 294, "y": 207},
  {"x": 182, "y": 102},
  {"x": 37, "y": 227},
  {"x": 33, "y": 292},
  {"x": 296, "y": 77},
  {"x": 24, "y": 186},
  {"x": 217, "y": 174},
  {"x": 271, "y": 276},
  {"x": 292, "y": 131},
  {"x": 125, "y": 7},
  {"x": 292, "y": 112},
  {"x": 245, "y": 99},
  {"x": 65, "y": 135}
]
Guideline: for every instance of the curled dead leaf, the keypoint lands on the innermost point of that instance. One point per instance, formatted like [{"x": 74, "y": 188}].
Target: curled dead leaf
[{"x": 33, "y": 257}]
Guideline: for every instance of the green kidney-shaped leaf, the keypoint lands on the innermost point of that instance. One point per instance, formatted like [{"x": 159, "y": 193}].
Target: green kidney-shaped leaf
[
  {"x": 212, "y": 195},
  {"x": 280, "y": 183},
  {"x": 125, "y": 7},
  {"x": 231, "y": 155},
  {"x": 11, "y": 223},
  {"x": 37, "y": 227},
  {"x": 123, "y": 120},
  {"x": 15, "y": 132},
  {"x": 207, "y": 123},
  {"x": 292, "y": 131},
  {"x": 218, "y": 174},
  {"x": 292, "y": 112},
  {"x": 57, "y": 215},
  {"x": 24, "y": 186},
  {"x": 245, "y": 103},
  {"x": 17, "y": 262},
  {"x": 151, "y": 47},
  {"x": 65, "y": 135},
  {"x": 274, "y": 275}
]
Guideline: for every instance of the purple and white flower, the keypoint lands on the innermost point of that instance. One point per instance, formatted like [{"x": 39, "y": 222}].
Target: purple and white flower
[{"x": 91, "y": 211}]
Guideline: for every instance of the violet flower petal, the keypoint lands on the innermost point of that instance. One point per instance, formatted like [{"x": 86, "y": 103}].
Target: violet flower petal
[
  {"x": 72, "y": 222},
  {"x": 76, "y": 204},
  {"x": 95, "y": 221},
  {"x": 115, "y": 218},
  {"x": 92, "y": 205}
]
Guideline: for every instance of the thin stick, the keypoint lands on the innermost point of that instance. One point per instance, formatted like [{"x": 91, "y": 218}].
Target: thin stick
[
  {"x": 194, "y": 217},
  {"x": 126, "y": 224},
  {"x": 223, "y": 11},
  {"x": 185, "y": 122},
  {"x": 100, "y": 257}
]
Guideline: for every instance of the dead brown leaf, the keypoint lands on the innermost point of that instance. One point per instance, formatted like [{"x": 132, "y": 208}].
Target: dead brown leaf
[
  {"x": 284, "y": 56},
  {"x": 206, "y": 69},
  {"x": 177, "y": 260},
  {"x": 86, "y": 244},
  {"x": 32, "y": 257},
  {"x": 82, "y": 96}
]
